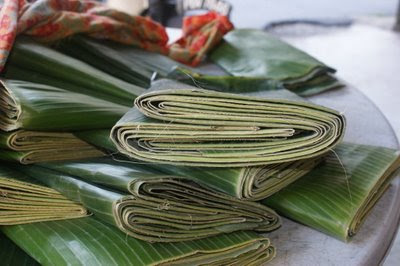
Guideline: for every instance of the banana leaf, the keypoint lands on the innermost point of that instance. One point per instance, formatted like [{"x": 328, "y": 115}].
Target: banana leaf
[
  {"x": 88, "y": 241},
  {"x": 12, "y": 255},
  {"x": 254, "y": 53},
  {"x": 152, "y": 207},
  {"x": 38, "y": 63},
  {"x": 28, "y": 147},
  {"x": 246, "y": 183},
  {"x": 137, "y": 66},
  {"x": 123, "y": 61},
  {"x": 223, "y": 82},
  {"x": 23, "y": 200},
  {"x": 182, "y": 125},
  {"x": 338, "y": 195},
  {"x": 39, "y": 107}
]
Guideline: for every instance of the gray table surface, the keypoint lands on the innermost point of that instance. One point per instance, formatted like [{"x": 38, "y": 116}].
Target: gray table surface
[{"x": 300, "y": 245}]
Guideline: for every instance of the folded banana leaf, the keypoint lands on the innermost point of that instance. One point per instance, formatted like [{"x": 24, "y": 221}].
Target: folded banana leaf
[
  {"x": 123, "y": 61},
  {"x": 152, "y": 207},
  {"x": 138, "y": 66},
  {"x": 254, "y": 53},
  {"x": 39, "y": 107},
  {"x": 222, "y": 82},
  {"x": 338, "y": 195},
  {"x": 38, "y": 63},
  {"x": 182, "y": 125},
  {"x": 246, "y": 183},
  {"x": 23, "y": 200},
  {"x": 12, "y": 255},
  {"x": 28, "y": 147},
  {"x": 89, "y": 241}
]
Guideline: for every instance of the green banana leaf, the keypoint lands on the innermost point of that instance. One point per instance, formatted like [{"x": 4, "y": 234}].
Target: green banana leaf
[
  {"x": 28, "y": 147},
  {"x": 254, "y": 53},
  {"x": 99, "y": 138},
  {"x": 152, "y": 206},
  {"x": 137, "y": 66},
  {"x": 223, "y": 82},
  {"x": 12, "y": 255},
  {"x": 34, "y": 62},
  {"x": 123, "y": 61},
  {"x": 39, "y": 107},
  {"x": 88, "y": 241},
  {"x": 338, "y": 195},
  {"x": 182, "y": 125},
  {"x": 23, "y": 200},
  {"x": 246, "y": 183}
]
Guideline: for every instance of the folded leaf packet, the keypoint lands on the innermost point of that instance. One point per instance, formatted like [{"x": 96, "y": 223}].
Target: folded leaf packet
[
  {"x": 33, "y": 106},
  {"x": 246, "y": 183},
  {"x": 23, "y": 200},
  {"x": 138, "y": 67},
  {"x": 125, "y": 62},
  {"x": 28, "y": 147},
  {"x": 183, "y": 125},
  {"x": 338, "y": 195},
  {"x": 152, "y": 207},
  {"x": 253, "y": 53},
  {"x": 34, "y": 62},
  {"x": 79, "y": 241},
  {"x": 252, "y": 183}
]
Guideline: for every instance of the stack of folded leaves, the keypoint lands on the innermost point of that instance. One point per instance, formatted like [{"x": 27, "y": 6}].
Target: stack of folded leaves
[
  {"x": 183, "y": 125},
  {"x": 25, "y": 200},
  {"x": 37, "y": 120},
  {"x": 40, "y": 120},
  {"x": 151, "y": 206},
  {"x": 204, "y": 131},
  {"x": 175, "y": 174},
  {"x": 251, "y": 183},
  {"x": 59, "y": 95},
  {"x": 34, "y": 62},
  {"x": 79, "y": 241},
  {"x": 254, "y": 54},
  {"x": 247, "y": 60}
]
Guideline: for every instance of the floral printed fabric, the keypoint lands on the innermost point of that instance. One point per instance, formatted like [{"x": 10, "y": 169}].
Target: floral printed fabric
[
  {"x": 51, "y": 20},
  {"x": 200, "y": 34}
]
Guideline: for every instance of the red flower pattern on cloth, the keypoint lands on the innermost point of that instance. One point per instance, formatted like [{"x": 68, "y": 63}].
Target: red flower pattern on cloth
[{"x": 52, "y": 20}]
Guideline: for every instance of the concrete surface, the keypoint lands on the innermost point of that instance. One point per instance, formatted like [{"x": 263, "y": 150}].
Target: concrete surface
[{"x": 367, "y": 57}]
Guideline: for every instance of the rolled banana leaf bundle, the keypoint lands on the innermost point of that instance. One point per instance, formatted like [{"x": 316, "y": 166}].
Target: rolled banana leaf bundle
[
  {"x": 23, "y": 200},
  {"x": 151, "y": 207},
  {"x": 34, "y": 62},
  {"x": 80, "y": 241},
  {"x": 254, "y": 53},
  {"x": 39, "y": 107},
  {"x": 28, "y": 147},
  {"x": 182, "y": 125},
  {"x": 12, "y": 255},
  {"x": 246, "y": 183},
  {"x": 338, "y": 195}
]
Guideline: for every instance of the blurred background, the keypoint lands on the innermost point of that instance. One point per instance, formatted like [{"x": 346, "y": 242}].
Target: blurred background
[{"x": 260, "y": 13}]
